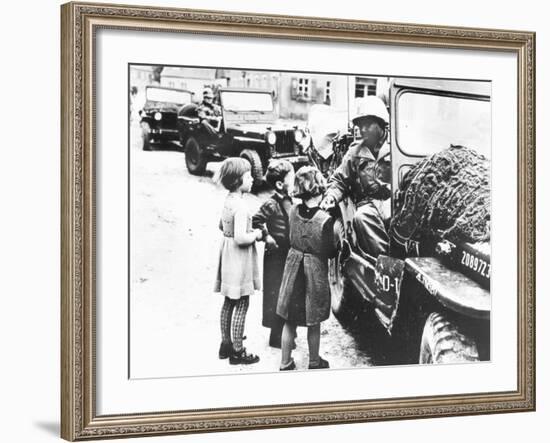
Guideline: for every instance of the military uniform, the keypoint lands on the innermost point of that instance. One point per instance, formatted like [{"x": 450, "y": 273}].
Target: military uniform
[
  {"x": 365, "y": 178},
  {"x": 209, "y": 113},
  {"x": 206, "y": 110}
]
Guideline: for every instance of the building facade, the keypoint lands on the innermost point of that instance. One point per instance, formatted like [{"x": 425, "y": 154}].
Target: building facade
[
  {"x": 293, "y": 93},
  {"x": 140, "y": 76},
  {"x": 191, "y": 79}
]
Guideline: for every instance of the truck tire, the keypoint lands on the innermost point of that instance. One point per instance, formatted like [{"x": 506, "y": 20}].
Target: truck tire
[
  {"x": 195, "y": 159},
  {"x": 342, "y": 296},
  {"x": 145, "y": 137},
  {"x": 442, "y": 342},
  {"x": 256, "y": 164}
]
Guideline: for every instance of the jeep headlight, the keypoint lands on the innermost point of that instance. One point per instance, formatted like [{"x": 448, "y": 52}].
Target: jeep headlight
[
  {"x": 298, "y": 135},
  {"x": 271, "y": 138},
  {"x": 158, "y": 116}
]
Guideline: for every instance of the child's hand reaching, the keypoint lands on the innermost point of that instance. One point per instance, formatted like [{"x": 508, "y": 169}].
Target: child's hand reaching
[
  {"x": 271, "y": 244},
  {"x": 259, "y": 234}
]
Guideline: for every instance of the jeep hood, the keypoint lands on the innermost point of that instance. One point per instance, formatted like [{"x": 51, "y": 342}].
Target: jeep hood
[{"x": 257, "y": 129}]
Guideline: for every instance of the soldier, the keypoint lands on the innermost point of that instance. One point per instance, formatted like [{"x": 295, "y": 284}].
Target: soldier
[
  {"x": 364, "y": 175},
  {"x": 209, "y": 113}
]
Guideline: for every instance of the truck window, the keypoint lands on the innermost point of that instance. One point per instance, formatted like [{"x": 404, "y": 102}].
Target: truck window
[{"x": 427, "y": 123}]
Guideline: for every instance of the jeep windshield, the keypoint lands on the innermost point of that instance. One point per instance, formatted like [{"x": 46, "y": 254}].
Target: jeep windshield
[
  {"x": 428, "y": 123},
  {"x": 168, "y": 96},
  {"x": 238, "y": 101}
]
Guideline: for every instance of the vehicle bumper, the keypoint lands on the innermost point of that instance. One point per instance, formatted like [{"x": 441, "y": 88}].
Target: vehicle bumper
[
  {"x": 158, "y": 135},
  {"x": 293, "y": 158}
]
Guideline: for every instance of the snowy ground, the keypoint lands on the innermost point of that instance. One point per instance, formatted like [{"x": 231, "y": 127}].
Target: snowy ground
[{"x": 174, "y": 315}]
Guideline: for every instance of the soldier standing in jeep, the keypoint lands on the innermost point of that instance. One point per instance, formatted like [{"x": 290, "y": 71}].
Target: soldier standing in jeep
[
  {"x": 364, "y": 176},
  {"x": 209, "y": 112}
]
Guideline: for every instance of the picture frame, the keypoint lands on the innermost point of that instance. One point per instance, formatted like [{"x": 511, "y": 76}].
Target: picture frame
[{"x": 80, "y": 206}]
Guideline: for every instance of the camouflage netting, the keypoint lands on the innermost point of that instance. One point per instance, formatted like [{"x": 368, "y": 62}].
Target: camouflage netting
[{"x": 448, "y": 192}]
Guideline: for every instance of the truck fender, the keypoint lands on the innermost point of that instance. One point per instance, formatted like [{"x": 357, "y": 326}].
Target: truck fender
[{"x": 388, "y": 278}]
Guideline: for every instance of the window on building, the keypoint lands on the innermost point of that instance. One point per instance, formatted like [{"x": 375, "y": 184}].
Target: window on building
[
  {"x": 303, "y": 87},
  {"x": 327, "y": 93},
  {"x": 364, "y": 87}
]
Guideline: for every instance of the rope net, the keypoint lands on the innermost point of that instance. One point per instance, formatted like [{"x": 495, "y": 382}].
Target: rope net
[{"x": 448, "y": 193}]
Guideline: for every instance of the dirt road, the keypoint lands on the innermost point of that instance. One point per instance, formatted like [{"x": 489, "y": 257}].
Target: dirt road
[{"x": 174, "y": 315}]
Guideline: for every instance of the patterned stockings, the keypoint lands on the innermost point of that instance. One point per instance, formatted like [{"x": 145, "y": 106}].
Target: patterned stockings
[{"x": 232, "y": 320}]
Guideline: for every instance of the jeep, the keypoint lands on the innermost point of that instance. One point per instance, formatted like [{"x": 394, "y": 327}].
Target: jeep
[
  {"x": 159, "y": 115},
  {"x": 431, "y": 295},
  {"x": 248, "y": 128}
]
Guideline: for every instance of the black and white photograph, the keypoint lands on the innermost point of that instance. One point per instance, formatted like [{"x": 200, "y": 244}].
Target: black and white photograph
[
  {"x": 297, "y": 221},
  {"x": 274, "y": 220}
]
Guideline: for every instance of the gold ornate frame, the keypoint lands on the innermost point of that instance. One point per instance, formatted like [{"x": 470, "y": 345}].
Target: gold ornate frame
[{"x": 79, "y": 23}]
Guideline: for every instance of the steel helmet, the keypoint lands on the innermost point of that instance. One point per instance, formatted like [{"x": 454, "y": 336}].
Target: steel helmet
[
  {"x": 371, "y": 106},
  {"x": 207, "y": 92}
]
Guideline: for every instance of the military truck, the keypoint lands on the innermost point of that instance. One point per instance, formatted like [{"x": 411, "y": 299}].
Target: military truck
[{"x": 430, "y": 295}]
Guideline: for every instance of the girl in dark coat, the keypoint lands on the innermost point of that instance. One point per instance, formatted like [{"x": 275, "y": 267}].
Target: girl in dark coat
[
  {"x": 272, "y": 218},
  {"x": 304, "y": 297}
]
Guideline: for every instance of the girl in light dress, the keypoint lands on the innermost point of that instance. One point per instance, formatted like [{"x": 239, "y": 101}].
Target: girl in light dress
[{"x": 238, "y": 274}]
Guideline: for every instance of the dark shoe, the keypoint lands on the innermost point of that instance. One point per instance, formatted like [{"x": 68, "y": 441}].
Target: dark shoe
[
  {"x": 225, "y": 350},
  {"x": 243, "y": 358},
  {"x": 290, "y": 367},
  {"x": 323, "y": 364}
]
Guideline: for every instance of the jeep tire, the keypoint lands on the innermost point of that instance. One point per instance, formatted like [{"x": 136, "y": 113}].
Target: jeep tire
[
  {"x": 146, "y": 136},
  {"x": 257, "y": 169},
  {"x": 195, "y": 159},
  {"x": 442, "y": 342},
  {"x": 342, "y": 293}
]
